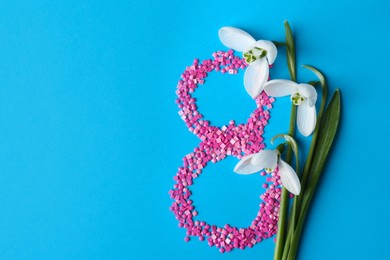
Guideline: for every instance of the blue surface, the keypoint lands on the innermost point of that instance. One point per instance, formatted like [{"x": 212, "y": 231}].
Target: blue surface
[{"x": 90, "y": 138}]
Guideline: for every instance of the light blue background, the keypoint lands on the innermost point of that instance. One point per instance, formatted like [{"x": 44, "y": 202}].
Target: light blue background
[{"x": 90, "y": 138}]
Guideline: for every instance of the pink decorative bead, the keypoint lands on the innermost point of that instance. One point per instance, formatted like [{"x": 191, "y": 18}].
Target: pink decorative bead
[{"x": 216, "y": 144}]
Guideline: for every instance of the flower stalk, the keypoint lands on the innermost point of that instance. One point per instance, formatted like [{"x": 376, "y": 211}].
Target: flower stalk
[
  {"x": 305, "y": 174},
  {"x": 281, "y": 233},
  {"x": 323, "y": 128},
  {"x": 259, "y": 55}
]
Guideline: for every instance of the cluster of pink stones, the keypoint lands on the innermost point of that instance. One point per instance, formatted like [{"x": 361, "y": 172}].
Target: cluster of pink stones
[{"x": 216, "y": 144}]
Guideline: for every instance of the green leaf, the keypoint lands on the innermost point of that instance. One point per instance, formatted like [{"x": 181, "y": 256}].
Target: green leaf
[
  {"x": 290, "y": 51},
  {"x": 326, "y": 134}
]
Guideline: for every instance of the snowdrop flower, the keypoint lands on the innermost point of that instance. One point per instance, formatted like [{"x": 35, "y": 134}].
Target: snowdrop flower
[
  {"x": 302, "y": 95},
  {"x": 270, "y": 159},
  {"x": 258, "y": 54}
]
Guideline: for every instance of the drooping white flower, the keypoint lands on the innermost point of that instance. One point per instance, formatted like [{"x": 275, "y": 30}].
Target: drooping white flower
[
  {"x": 258, "y": 54},
  {"x": 302, "y": 95},
  {"x": 270, "y": 159}
]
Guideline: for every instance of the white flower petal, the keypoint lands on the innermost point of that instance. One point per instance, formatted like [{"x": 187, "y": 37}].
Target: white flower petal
[
  {"x": 309, "y": 92},
  {"x": 266, "y": 159},
  {"x": 306, "y": 118},
  {"x": 280, "y": 87},
  {"x": 235, "y": 38},
  {"x": 289, "y": 178},
  {"x": 246, "y": 166},
  {"x": 256, "y": 75},
  {"x": 271, "y": 49}
]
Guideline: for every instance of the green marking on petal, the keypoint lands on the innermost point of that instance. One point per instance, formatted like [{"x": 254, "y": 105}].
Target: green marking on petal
[
  {"x": 297, "y": 99},
  {"x": 254, "y": 54}
]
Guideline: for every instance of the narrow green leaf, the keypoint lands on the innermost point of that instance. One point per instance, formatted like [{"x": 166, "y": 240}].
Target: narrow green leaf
[
  {"x": 290, "y": 47},
  {"x": 327, "y": 132}
]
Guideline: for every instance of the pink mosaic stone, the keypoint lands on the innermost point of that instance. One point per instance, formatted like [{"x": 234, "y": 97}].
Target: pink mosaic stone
[{"x": 217, "y": 143}]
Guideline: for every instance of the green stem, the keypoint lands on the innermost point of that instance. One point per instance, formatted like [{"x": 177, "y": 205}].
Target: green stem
[
  {"x": 327, "y": 132},
  {"x": 305, "y": 173},
  {"x": 298, "y": 199},
  {"x": 281, "y": 223},
  {"x": 304, "y": 178},
  {"x": 292, "y": 220},
  {"x": 295, "y": 239},
  {"x": 287, "y": 245},
  {"x": 280, "y": 235},
  {"x": 302, "y": 216},
  {"x": 291, "y": 64},
  {"x": 296, "y": 208}
]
